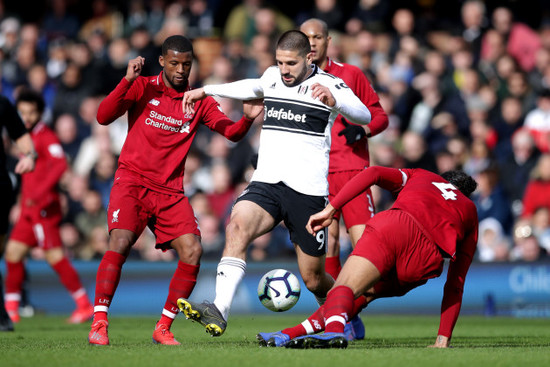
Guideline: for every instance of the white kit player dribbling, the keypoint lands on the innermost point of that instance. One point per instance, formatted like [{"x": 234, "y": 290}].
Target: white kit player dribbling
[{"x": 301, "y": 103}]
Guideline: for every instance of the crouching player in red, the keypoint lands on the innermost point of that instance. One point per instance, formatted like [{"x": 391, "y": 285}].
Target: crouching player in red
[
  {"x": 38, "y": 223},
  {"x": 148, "y": 186},
  {"x": 401, "y": 248}
]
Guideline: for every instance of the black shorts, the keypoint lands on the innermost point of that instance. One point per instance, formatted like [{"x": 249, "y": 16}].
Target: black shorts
[{"x": 292, "y": 207}]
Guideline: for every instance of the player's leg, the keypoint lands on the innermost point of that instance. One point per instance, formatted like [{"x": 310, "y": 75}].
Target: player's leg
[
  {"x": 332, "y": 261},
  {"x": 181, "y": 285},
  {"x": 5, "y": 322},
  {"x": 15, "y": 253},
  {"x": 312, "y": 270},
  {"x": 248, "y": 221},
  {"x": 107, "y": 279},
  {"x": 71, "y": 280}
]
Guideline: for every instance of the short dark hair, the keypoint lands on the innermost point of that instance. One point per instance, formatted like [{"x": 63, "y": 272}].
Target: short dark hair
[
  {"x": 322, "y": 23},
  {"x": 462, "y": 181},
  {"x": 31, "y": 96},
  {"x": 294, "y": 41},
  {"x": 177, "y": 43}
]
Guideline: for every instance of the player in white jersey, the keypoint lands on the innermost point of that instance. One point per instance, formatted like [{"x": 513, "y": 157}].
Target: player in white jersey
[{"x": 301, "y": 103}]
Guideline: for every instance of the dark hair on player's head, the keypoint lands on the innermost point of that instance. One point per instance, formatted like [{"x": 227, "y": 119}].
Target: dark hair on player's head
[
  {"x": 462, "y": 181},
  {"x": 30, "y": 96},
  {"x": 322, "y": 23},
  {"x": 177, "y": 43},
  {"x": 294, "y": 41}
]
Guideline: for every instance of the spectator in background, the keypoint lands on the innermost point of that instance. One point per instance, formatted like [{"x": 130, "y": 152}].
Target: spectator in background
[
  {"x": 102, "y": 176},
  {"x": 474, "y": 24},
  {"x": 509, "y": 121},
  {"x": 521, "y": 41},
  {"x": 537, "y": 121},
  {"x": 538, "y": 188},
  {"x": 59, "y": 22},
  {"x": 66, "y": 130},
  {"x": 38, "y": 80},
  {"x": 526, "y": 245},
  {"x": 415, "y": 152},
  {"x": 490, "y": 200},
  {"x": 200, "y": 19},
  {"x": 82, "y": 56},
  {"x": 93, "y": 216},
  {"x": 103, "y": 19},
  {"x": 517, "y": 168},
  {"x": 493, "y": 244},
  {"x": 118, "y": 56},
  {"x": 71, "y": 92},
  {"x": 141, "y": 43},
  {"x": 370, "y": 14},
  {"x": 541, "y": 227}
]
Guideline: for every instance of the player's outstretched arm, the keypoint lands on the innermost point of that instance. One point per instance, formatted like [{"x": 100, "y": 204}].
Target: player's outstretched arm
[{"x": 320, "y": 220}]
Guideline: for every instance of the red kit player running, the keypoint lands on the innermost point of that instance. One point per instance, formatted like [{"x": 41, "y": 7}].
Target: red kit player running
[
  {"x": 148, "y": 187},
  {"x": 401, "y": 248},
  {"x": 38, "y": 223},
  {"x": 349, "y": 154}
]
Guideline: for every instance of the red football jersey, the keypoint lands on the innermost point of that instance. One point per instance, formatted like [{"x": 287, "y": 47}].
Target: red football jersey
[
  {"x": 446, "y": 216},
  {"x": 40, "y": 185},
  {"x": 159, "y": 133},
  {"x": 345, "y": 157}
]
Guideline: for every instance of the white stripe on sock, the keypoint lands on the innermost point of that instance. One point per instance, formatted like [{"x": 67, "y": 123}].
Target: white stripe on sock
[
  {"x": 101, "y": 309},
  {"x": 169, "y": 314},
  {"x": 12, "y": 297},
  {"x": 335, "y": 318},
  {"x": 309, "y": 329}
]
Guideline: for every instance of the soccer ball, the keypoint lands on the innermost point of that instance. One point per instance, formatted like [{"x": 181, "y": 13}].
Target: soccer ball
[{"x": 279, "y": 290}]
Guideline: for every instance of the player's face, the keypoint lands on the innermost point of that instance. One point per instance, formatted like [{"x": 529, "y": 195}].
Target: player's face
[
  {"x": 293, "y": 67},
  {"x": 29, "y": 114},
  {"x": 317, "y": 40},
  {"x": 176, "y": 66}
]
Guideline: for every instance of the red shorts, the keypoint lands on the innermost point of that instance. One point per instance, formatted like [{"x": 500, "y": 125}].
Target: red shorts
[
  {"x": 357, "y": 211},
  {"x": 39, "y": 227},
  {"x": 401, "y": 252},
  {"x": 133, "y": 206}
]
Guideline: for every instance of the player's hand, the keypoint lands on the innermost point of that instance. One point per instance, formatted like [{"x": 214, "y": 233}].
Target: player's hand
[
  {"x": 134, "y": 68},
  {"x": 320, "y": 220},
  {"x": 189, "y": 99},
  {"x": 352, "y": 133},
  {"x": 253, "y": 108},
  {"x": 323, "y": 94},
  {"x": 440, "y": 342},
  {"x": 25, "y": 164}
]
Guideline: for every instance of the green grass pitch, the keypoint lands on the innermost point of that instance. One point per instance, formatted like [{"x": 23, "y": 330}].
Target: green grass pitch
[{"x": 392, "y": 340}]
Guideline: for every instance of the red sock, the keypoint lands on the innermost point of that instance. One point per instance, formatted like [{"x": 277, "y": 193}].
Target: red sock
[
  {"x": 107, "y": 278},
  {"x": 338, "y": 309},
  {"x": 68, "y": 276},
  {"x": 359, "y": 304},
  {"x": 314, "y": 324},
  {"x": 333, "y": 266},
  {"x": 182, "y": 284},
  {"x": 14, "y": 277}
]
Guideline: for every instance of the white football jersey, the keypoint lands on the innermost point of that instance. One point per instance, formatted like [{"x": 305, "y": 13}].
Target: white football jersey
[{"x": 295, "y": 137}]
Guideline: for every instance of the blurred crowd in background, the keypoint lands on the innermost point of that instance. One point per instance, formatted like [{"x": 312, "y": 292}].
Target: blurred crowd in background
[{"x": 466, "y": 84}]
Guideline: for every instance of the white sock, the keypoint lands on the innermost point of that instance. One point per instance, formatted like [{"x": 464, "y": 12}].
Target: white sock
[{"x": 230, "y": 273}]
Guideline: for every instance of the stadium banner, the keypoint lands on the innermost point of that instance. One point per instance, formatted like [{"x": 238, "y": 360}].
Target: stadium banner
[{"x": 503, "y": 289}]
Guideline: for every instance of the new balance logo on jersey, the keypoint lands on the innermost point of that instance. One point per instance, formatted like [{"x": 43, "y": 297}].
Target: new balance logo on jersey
[
  {"x": 115, "y": 216},
  {"x": 154, "y": 102},
  {"x": 282, "y": 114}
]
